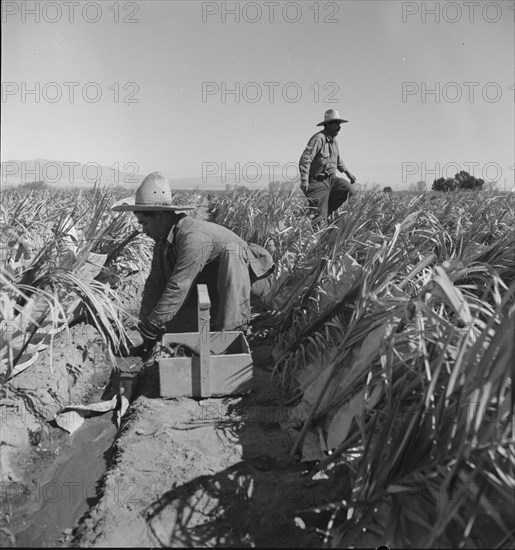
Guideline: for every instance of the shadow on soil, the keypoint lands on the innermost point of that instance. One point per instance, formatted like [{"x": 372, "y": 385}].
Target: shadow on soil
[{"x": 266, "y": 499}]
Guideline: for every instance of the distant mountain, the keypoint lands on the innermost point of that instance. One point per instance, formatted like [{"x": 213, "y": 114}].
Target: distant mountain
[
  {"x": 216, "y": 182},
  {"x": 71, "y": 174}
]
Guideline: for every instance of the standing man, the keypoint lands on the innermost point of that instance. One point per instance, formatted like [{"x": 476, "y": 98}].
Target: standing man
[
  {"x": 187, "y": 252},
  {"x": 318, "y": 164}
]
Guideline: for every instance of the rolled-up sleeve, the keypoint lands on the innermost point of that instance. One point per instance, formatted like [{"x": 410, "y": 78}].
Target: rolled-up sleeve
[
  {"x": 313, "y": 147},
  {"x": 193, "y": 252}
]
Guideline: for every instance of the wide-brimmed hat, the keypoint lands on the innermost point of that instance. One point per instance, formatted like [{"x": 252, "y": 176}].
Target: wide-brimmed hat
[
  {"x": 153, "y": 194},
  {"x": 331, "y": 115}
]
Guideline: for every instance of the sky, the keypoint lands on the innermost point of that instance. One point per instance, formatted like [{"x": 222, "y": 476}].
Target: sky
[{"x": 232, "y": 91}]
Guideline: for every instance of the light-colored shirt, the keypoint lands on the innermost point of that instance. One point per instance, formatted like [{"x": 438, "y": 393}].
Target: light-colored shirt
[{"x": 320, "y": 157}]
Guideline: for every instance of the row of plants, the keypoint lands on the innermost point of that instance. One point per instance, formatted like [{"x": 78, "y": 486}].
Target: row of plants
[
  {"x": 394, "y": 349},
  {"x": 394, "y": 339},
  {"x": 62, "y": 254}
]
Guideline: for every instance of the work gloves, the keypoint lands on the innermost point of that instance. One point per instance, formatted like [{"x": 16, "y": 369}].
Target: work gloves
[{"x": 150, "y": 334}]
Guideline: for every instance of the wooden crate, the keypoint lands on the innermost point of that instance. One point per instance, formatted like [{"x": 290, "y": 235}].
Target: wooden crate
[{"x": 221, "y": 364}]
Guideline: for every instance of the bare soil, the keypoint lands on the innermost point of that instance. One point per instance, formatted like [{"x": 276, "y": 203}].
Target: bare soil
[
  {"x": 212, "y": 472},
  {"x": 179, "y": 472}
]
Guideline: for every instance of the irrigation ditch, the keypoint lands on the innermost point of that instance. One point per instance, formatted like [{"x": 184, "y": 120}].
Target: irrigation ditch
[
  {"x": 50, "y": 478},
  {"x": 179, "y": 472}
]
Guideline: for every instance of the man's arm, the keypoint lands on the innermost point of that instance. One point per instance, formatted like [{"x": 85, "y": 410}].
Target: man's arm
[
  {"x": 193, "y": 252},
  {"x": 153, "y": 288},
  {"x": 343, "y": 168},
  {"x": 312, "y": 149}
]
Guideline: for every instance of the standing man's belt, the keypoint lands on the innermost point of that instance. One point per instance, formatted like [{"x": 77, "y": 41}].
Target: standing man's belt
[{"x": 322, "y": 177}]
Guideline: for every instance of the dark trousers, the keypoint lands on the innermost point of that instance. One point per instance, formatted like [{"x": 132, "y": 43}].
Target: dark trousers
[{"x": 325, "y": 197}]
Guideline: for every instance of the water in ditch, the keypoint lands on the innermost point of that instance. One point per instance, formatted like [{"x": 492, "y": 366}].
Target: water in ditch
[{"x": 72, "y": 485}]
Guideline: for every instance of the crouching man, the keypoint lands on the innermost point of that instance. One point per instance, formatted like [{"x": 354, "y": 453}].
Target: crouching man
[{"x": 188, "y": 252}]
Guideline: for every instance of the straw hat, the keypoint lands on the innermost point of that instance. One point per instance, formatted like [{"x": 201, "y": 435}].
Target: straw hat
[
  {"x": 153, "y": 194},
  {"x": 331, "y": 115}
]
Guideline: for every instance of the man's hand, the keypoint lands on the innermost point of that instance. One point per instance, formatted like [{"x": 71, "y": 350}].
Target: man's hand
[
  {"x": 144, "y": 350},
  {"x": 150, "y": 333},
  {"x": 148, "y": 330},
  {"x": 351, "y": 177},
  {"x": 304, "y": 185}
]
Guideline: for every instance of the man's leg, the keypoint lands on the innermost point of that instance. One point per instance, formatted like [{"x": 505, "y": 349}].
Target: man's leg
[
  {"x": 341, "y": 190},
  {"x": 318, "y": 200},
  {"x": 186, "y": 319},
  {"x": 209, "y": 276},
  {"x": 233, "y": 283}
]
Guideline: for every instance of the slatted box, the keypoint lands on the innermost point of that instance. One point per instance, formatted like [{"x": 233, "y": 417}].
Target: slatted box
[{"x": 221, "y": 363}]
